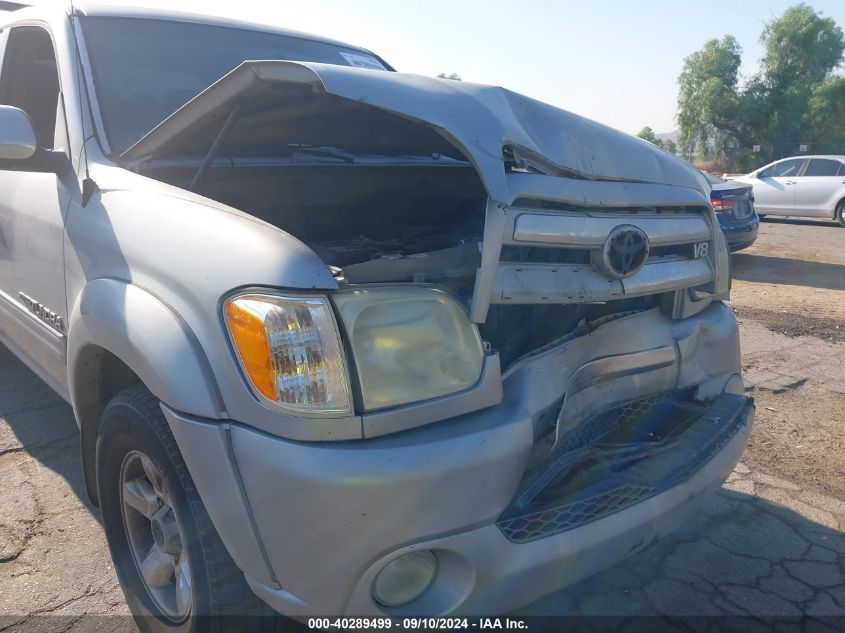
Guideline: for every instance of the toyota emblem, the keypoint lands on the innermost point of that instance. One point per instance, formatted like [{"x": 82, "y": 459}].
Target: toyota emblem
[{"x": 625, "y": 251}]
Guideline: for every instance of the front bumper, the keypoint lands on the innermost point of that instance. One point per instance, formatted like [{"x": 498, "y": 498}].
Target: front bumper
[{"x": 311, "y": 524}]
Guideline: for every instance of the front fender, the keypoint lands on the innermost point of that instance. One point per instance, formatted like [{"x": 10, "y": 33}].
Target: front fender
[{"x": 149, "y": 338}]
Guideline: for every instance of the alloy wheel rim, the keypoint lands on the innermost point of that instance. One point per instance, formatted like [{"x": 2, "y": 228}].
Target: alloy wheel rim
[{"x": 154, "y": 536}]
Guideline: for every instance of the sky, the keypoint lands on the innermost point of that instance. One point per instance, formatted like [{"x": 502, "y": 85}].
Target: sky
[{"x": 612, "y": 61}]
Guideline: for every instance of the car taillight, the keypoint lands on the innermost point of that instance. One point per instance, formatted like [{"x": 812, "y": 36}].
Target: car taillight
[{"x": 722, "y": 205}]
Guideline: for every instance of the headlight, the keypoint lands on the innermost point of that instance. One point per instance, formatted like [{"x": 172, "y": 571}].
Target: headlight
[
  {"x": 290, "y": 351},
  {"x": 409, "y": 344}
]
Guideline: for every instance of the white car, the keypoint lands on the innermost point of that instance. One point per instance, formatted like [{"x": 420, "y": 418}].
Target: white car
[{"x": 811, "y": 186}]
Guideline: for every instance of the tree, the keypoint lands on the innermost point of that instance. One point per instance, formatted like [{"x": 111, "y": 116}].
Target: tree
[
  {"x": 454, "y": 76},
  {"x": 647, "y": 134},
  {"x": 668, "y": 144},
  {"x": 827, "y": 112},
  {"x": 802, "y": 49},
  {"x": 794, "y": 97},
  {"x": 707, "y": 95}
]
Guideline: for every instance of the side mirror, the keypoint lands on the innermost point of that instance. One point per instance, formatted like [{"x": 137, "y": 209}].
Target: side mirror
[
  {"x": 19, "y": 149},
  {"x": 17, "y": 138}
]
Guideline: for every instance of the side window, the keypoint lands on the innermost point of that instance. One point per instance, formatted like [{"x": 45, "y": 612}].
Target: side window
[
  {"x": 841, "y": 169},
  {"x": 29, "y": 79},
  {"x": 822, "y": 167},
  {"x": 786, "y": 168}
]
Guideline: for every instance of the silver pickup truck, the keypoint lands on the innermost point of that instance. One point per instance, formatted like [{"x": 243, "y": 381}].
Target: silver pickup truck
[{"x": 342, "y": 340}]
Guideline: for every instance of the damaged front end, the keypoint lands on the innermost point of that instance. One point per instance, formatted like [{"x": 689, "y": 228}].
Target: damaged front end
[
  {"x": 589, "y": 262},
  {"x": 506, "y": 202}
]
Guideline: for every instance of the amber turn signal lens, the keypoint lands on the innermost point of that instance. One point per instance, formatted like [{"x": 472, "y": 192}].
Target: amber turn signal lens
[
  {"x": 290, "y": 350},
  {"x": 250, "y": 339}
]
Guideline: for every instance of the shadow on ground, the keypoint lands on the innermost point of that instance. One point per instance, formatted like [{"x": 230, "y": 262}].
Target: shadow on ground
[
  {"x": 801, "y": 221},
  {"x": 34, "y": 420},
  {"x": 792, "y": 272},
  {"x": 743, "y": 556}
]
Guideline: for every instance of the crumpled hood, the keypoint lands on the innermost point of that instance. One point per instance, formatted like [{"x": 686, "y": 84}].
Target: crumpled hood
[{"x": 478, "y": 120}]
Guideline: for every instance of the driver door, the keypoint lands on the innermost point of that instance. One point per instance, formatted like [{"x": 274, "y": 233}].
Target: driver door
[
  {"x": 774, "y": 189},
  {"x": 33, "y": 305}
]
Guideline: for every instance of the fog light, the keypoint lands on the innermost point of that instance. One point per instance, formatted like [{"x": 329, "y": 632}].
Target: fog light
[{"x": 404, "y": 578}]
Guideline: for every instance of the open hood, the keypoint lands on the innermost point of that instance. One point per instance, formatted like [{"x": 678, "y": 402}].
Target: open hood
[{"x": 284, "y": 104}]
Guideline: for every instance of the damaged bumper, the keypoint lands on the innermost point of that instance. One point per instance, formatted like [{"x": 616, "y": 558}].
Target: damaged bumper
[{"x": 312, "y": 524}]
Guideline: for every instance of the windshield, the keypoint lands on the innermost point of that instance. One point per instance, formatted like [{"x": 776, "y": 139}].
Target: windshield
[{"x": 144, "y": 70}]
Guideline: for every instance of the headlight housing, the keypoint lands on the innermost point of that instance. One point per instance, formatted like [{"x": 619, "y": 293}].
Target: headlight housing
[
  {"x": 290, "y": 351},
  {"x": 409, "y": 343}
]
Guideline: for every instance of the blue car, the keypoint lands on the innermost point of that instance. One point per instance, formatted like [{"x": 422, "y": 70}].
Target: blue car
[{"x": 733, "y": 203}]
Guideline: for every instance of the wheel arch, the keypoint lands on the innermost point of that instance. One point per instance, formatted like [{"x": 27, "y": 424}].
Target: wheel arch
[{"x": 120, "y": 335}]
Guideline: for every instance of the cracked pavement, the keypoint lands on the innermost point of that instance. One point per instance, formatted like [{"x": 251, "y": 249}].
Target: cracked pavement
[
  {"x": 769, "y": 544},
  {"x": 762, "y": 547},
  {"x": 53, "y": 554}
]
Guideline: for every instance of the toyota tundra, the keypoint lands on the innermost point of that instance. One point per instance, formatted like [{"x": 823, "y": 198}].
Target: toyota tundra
[{"x": 346, "y": 341}]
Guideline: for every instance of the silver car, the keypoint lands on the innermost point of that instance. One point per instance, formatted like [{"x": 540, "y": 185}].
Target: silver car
[
  {"x": 341, "y": 340},
  {"x": 808, "y": 186}
]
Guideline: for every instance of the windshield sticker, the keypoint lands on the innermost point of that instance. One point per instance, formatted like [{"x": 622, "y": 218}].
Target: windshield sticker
[{"x": 363, "y": 61}]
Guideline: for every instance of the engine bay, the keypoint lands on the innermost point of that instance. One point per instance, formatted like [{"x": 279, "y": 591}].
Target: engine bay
[{"x": 397, "y": 223}]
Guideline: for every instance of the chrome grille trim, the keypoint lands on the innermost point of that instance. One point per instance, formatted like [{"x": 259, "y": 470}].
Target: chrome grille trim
[
  {"x": 543, "y": 283},
  {"x": 579, "y": 230},
  {"x": 672, "y": 217}
]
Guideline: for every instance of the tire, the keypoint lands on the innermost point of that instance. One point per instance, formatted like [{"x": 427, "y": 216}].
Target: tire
[
  {"x": 137, "y": 455},
  {"x": 840, "y": 213}
]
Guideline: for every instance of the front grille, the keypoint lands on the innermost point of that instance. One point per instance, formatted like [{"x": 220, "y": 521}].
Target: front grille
[
  {"x": 523, "y": 529},
  {"x": 553, "y": 254},
  {"x": 618, "y": 459},
  {"x": 598, "y": 426}
]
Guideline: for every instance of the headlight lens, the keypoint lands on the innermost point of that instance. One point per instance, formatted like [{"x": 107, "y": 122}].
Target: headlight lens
[
  {"x": 290, "y": 351},
  {"x": 409, "y": 344}
]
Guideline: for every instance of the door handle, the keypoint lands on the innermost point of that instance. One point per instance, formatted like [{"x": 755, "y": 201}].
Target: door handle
[{"x": 790, "y": 182}]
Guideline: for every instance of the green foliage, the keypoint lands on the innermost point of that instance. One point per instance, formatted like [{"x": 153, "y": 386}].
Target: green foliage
[
  {"x": 647, "y": 134},
  {"x": 707, "y": 95},
  {"x": 795, "y": 97},
  {"x": 454, "y": 76},
  {"x": 801, "y": 48},
  {"x": 827, "y": 111},
  {"x": 668, "y": 144}
]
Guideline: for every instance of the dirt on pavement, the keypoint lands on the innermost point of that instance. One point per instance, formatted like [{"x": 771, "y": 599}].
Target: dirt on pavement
[
  {"x": 793, "y": 325},
  {"x": 799, "y": 435},
  {"x": 789, "y": 296}
]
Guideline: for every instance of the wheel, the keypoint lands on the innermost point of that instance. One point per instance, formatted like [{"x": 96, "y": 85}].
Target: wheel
[
  {"x": 172, "y": 566},
  {"x": 840, "y": 213}
]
